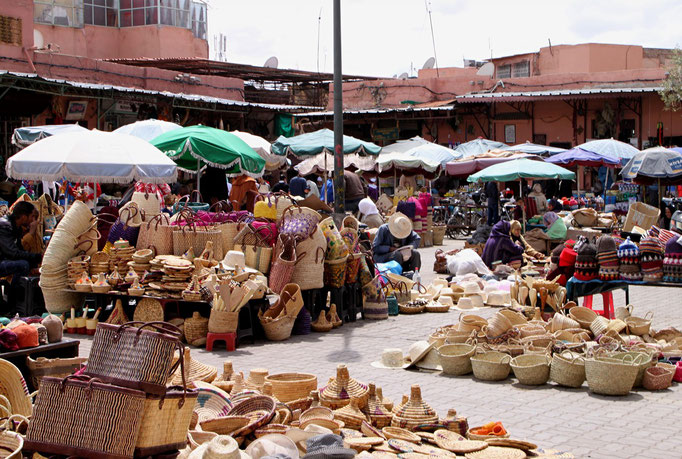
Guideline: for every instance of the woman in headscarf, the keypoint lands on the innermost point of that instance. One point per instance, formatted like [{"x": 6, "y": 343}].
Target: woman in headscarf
[
  {"x": 556, "y": 228},
  {"x": 540, "y": 199},
  {"x": 369, "y": 214},
  {"x": 500, "y": 247},
  {"x": 517, "y": 237}
]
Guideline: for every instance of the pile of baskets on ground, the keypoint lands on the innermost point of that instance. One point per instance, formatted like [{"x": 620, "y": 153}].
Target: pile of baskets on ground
[{"x": 613, "y": 356}]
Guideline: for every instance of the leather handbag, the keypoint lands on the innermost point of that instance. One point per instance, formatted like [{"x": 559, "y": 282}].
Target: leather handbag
[
  {"x": 84, "y": 417},
  {"x": 136, "y": 355}
]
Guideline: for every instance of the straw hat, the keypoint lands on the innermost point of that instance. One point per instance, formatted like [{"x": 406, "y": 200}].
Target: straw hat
[
  {"x": 234, "y": 258},
  {"x": 471, "y": 288},
  {"x": 499, "y": 298},
  {"x": 431, "y": 361},
  {"x": 273, "y": 445},
  {"x": 446, "y": 300},
  {"x": 417, "y": 351},
  {"x": 391, "y": 359},
  {"x": 13, "y": 386},
  {"x": 465, "y": 303},
  {"x": 221, "y": 447},
  {"x": 399, "y": 225},
  {"x": 477, "y": 300}
]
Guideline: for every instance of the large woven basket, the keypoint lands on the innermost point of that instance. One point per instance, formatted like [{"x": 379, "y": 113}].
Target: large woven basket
[
  {"x": 608, "y": 376},
  {"x": 287, "y": 387},
  {"x": 456, "y": 358},
  {"x": 278, "y": 329},
  {"x": 223, "y": 321},
  {"x": 196, "y": 328},
  {"x": 643, "y": 358},
  {"x": 57, "y": 368},
  {"x": 584, "y": 316},
  {"x": 415, "y": 412},
  {"x": 491, "y": 366},
  {"x": 531, "y": 369},
  {"x": 309, "y": 269},
  {"x": 58, "y": 301},
  {"x": 568, "y": 369}
]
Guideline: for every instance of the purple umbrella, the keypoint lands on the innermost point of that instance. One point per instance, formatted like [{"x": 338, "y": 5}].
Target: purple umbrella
[{"x": 579, "y": 157}]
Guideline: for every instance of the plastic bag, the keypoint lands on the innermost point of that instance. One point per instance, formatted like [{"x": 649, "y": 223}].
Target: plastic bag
[{"x": 392, "y": 266}]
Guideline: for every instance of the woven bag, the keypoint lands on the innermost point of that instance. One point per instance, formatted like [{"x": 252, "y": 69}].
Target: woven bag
[
  {"x": 81, "y": 416},
  {"x": 308, "y": 271},
  {"x": 257, "y": 251},
  {"x": 265, "y": 207},
  {"x": 374, "y": 304},
  {"x": 223, "y": 321},
  {"x": 196, "y": 237},
  {"x": 137, "y": 355},
  {"x": 299, "y": 222},
  {"x": 156, "y": 232},
  {"x": 165, "y": 421},
  {"x": 148, "y": 204},
  {"x": 284, "y": 264},
  {"x": 336, "y": 246},
  {"x": 127, "y": 225},
  {"x": 335, "y": 272},
  {"x": 353, "y": 267},
  {"x": 55, "y": 368}
]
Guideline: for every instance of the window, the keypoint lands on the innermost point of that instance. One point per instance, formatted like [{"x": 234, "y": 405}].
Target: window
[
  {"x": 58, "y": 12},
  {"x": 139, "y": 12},
  {"x": 101, "y": 12},
  {"x": 521, "y": 69},
  {"x": 199, "y": 20},
  {"x": 10, "y": 30},
  {"x": 504, "y": 71}
]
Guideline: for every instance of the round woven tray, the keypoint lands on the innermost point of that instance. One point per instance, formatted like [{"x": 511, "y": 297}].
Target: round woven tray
[{"x": 148, "y": 310}]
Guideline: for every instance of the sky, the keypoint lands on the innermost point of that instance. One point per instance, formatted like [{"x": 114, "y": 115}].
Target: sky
[{"x": 388, "y": 37}]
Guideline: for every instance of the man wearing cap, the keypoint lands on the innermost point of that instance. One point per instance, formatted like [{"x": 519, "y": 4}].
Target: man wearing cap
[{"x": 393, "y": 235}]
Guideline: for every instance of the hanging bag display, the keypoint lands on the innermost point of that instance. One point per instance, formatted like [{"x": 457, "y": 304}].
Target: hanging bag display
[
  {"x": 254, "y": 244},
  {"x": 308, "y": 271},
  {"x": 193, "y": 236},
  {"x": 156, "y": 232},
  {"x": 127, "y": 226}
]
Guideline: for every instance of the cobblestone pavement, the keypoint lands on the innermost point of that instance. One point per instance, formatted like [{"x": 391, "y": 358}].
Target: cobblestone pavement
[{"x": 642, "y": 424}]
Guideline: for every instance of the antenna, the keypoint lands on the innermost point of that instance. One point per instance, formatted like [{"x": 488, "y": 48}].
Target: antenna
[
  {"x": 427, "y": 4},
  {"x": 487, "y": 69},
  {"x": 271, "y": 63},
  {"x": 430, "y": 62},
  {"x": 319, "y": 24}
]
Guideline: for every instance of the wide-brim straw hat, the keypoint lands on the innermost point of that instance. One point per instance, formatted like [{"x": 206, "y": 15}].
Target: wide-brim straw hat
[
  {"x": 498, "y": 298},
  {"x": 399, "y": 225},
  {"x": 417, "y": 351},
  {"x": 194, "y": 371},
  {"x": 220, "y": 447},
  {"x": 13, "y": 386},
  {"x": 391, "y": 359},
  {"x": 465, "y": 304},
  {"x": 273, "y": 445},
  {"x": 430, "y": 361}
]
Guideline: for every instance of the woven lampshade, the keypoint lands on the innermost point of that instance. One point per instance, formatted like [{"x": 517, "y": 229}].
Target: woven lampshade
[
  {"x": 338, "y": 392},
  {"x": 415, "y": 412}
]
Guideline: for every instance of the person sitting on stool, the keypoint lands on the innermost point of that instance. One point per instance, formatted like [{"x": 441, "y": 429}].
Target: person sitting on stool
[
  {"x": 14, "y": 260},
  {"x": 394, "y": 235}
]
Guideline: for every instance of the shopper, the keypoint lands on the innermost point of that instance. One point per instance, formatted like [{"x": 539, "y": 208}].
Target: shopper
[
  {"x": 244, "y": 189},
  {"x": 540, "y": 199},
  {"x": 493, "y": 194},
  {"x": 369, "y": 214},
  {"x": 298, "y": 186},
  {"x": 355, "y": 190}
]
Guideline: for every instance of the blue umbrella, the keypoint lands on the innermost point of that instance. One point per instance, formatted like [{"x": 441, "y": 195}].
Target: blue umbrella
[
  {"x": 535, "y": 149},
  {"x": 579, "y": 157},
  {"x": 478, "y": 146},
  {"x": 612, "y": 148}
]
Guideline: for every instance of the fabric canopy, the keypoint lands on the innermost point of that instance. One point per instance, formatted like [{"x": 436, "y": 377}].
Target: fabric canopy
[
  {"x": 148, "y": 129},
  {"x": 195, "y": 146},
  {"x": 432, "y": 152},
  {"x": 314, "y": 143},
  {"x": 25, "y": 136},
  {"x": 652, "y": 164},
  {"x": 478, "y": 146},
  {"x": 402, "y": 146},
  {"x": 404, "y": 161},
  {"x": 579, "y": 157},
  {"x": 522, "y": 168},
  {"x": 612, "y": 148},
  {"x": 325, "y": 162},
  {"x": 467, "y": 166},
  {"x": 92, "y": 156},
  {"x": 535, "y": 149},
  {"x": 262, "y": 147}
]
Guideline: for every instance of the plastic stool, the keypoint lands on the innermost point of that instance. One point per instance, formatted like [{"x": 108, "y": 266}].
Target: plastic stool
[
  {"x": 245, "y": 327},
  {"x": 230, "y": 340},
  {"x": 607, "y": 299}
]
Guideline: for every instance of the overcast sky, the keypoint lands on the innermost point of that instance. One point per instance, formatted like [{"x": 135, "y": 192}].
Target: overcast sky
[{"x": 387, "y": 37}]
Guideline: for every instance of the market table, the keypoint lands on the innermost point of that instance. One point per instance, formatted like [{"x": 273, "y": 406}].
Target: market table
[
  {"x": 577, "y": 288},
  {"x": 67, "y": 347}
]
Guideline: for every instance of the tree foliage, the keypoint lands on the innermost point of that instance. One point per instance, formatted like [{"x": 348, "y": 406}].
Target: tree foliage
[{"x": 672, "y": 85}]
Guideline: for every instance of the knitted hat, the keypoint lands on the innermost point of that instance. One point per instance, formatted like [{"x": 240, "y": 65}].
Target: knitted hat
[
  {"x": 568, "y": 255},
  {"x": 556, "y": 253},
  {"x": 586, "y": 266},
  {"x": 27, "y": 336},
  {"x": 672, "y": 262},
  {"x": 628, "y": 252},
  {"x": 8, "y": 340},
  {"x": 407, "y": 208},
  {"x": 55, "y": 328},
  {"x": 651, "y": 252},
  {"x": 606, "y": 244}
]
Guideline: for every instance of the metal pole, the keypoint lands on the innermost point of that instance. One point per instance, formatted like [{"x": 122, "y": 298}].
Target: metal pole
[
  {"x": 198, "y": 176},
  {"x": 339, "y": 188}
]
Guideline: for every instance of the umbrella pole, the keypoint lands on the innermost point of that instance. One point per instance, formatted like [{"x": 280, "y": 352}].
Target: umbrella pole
[
  {"x": 95, "y": 193},
  {"x": 395, "y": 186},
  {"x": 198, "y": 177},
  {"x": 523, "y": 208},
  {"x": 659, "y": 194}
]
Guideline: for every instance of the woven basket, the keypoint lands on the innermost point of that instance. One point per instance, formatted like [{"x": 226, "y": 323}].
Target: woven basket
[
  {"x": 336, "y": 246},
  {"x": 531, "y": 369},
  {"x": 165, "y": 421},
  {"x": 379, "y": 415},
  {"x": 471, "y": 322},
  {"x": 516, "y": 318},
  {"x": 309, "y": 270},
  {"x": 644, "y": 359},
  {"x": 351, "y": 415},
  {"x": 196, "y": 328},
  {"x": 58, "y": 301},
  {"x": 223, "y": 321},
  {"x": 476, "y": 437},
  {"x": 568, "y": 369},
  {"x": 608, "y": 376},
  {"x": 456, "y": 358},
  {"x": 259, "y": 409},
  {"x": 599, "y": 325},
  {"x": 491, "y": 366},
  {"x": 226, "y": 425},
  {"x": 584, "y": 316},
  {"x": 415, "y": 412},
  {"x": 657, "y": 378},
  {"x": 214, "y": 402},
  {"x": 278, "y": 329},
  {"x": 57, "y": 368},
  {"x": 11, "y": 444},
  {"x": 353, "y": 268},
  {"x": 639, "y": 326},
  {"x": 338, "y": 392},
  {"x": 438, "y": 234},
  {"x": 148, "y": 310},
  {"x": 335, "y": 272},
  {"x": 498, "y": 325},
  {"x": 77, "y": 219},
  {"x": 287, "y": 387},
  {"x": 562, "y": 322}
]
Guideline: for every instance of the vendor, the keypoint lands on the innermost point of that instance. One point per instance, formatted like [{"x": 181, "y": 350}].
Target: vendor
[
  {"x": 554, "y": 205},
  {"x": 500, "y": 247},
  {"x": 556, "y": 228},
  {"x": 14, "y": 260},
  {"x": 369, "y": 214},
  {"x": 244, "y": 188},
  {"x": 515, "y": 230},
  {"x": 393, "y": 235},
  {"x": 540, "y": 199},
  {"x": 666, "y": 216}
]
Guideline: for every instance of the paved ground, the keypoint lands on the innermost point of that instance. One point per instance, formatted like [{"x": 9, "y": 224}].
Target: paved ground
[{"x": 643, "y": 424}]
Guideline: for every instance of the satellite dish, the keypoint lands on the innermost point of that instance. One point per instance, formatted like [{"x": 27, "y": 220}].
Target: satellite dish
[
  {"x": 403, "y": 76},
  {"x": 271, "y": 63},
  {"x": 395, "y": 75},
  {"x": 430, "y": 62},
  {"x": 487, "y": 69},
  {"x": 38, "y": 40}
]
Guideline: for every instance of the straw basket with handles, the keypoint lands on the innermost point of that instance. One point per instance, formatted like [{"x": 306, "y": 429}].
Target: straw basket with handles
[{"x": 148, "y": 203}]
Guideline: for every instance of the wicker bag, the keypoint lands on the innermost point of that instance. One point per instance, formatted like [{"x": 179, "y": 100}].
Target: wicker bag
[
  {"x": 609, "y": 376},
  {"x": 308, "y": 272},
  {"x": 223, "y": 321},
  {"x": 491, "y": 366},
  {"x": 196, "y": 329},
  {"x": 639, "y": 325},
  {"x": 438, "y": 234},
  {"x": 196, "y": 237},
  {"x": 336, "y": 247},
  {"x": 82, "y": 416},
  {"x": 148, "y": 204},
  {"x": 299, "y": 222},
  {"x": 568, "y": 369},
  {"x": 257, "y": 251},
  {"x": 284, "y": 264},
  {"x": 456, "y": 358},
  {"x": 531, "y": 369},
  {"x": 56, "y": 368},
  {"x": 374, "y": 304},
  {"x": 335, "y": 272},
  {"x": 137, "y": 358},
  {"x": 657, "y": 378},
  {"x": 156, "y": 232},
  {"x": 165, "y": 421}
]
